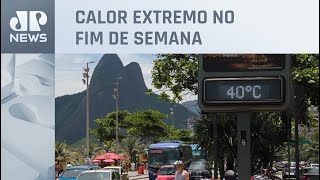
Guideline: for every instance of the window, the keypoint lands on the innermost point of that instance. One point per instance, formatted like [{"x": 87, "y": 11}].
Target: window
[
  {"x": 72, "y": 173},
  {"x": 95, "y": 176},
  {"x": 167, "y": 171},
  {"x": 163, "y": 157},
  {"x": 117, "y": 176}
]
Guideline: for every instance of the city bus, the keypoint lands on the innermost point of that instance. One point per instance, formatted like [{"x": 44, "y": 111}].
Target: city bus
[
  {"x": 198, "y": 153},
  {"x": 166, "y": 153}
]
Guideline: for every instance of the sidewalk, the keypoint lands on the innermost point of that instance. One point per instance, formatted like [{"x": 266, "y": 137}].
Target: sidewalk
[{"x": 134, "y": 175}]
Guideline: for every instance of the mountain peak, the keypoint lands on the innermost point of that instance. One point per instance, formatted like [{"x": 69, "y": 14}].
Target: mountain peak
[
  {"x": 106, "y": 71},
  {"x": 71, "y": 110}
]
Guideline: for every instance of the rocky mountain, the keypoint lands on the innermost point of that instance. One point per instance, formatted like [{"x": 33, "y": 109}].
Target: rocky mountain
[{"x": 71, "y": 109}]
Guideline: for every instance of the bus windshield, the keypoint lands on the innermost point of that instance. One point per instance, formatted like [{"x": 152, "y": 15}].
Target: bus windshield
[{"x": 163, "y": 156}]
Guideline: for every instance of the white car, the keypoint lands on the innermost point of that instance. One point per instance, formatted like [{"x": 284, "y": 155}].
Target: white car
[
  {"x": 286, "y": 174},
  {"x": 314, "y": 165},
  {"x": 99, "y": 175}
]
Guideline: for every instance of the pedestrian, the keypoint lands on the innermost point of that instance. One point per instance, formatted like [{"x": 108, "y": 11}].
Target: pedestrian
[
  {"x": 60, "y": 172},
  {"x": 69, "y": 164},
  {"x": 133, "y": 166},
  {"x": 181, "y": 173},
  {"x": 127, "y": 167}
]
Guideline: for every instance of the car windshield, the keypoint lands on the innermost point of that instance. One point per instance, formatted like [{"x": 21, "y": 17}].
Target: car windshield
[
  {"x": 197, "y": 166},
  {"x": 167, "y": 171},
  {"x": 313, "y": 170},
  {"x": 110, "y": 168},
  {"x": 292, "y": 169},
  {"x": 95, "y": 176},
  {"x": 72, "y": 173},
  {"x": 163, "y": 156}
]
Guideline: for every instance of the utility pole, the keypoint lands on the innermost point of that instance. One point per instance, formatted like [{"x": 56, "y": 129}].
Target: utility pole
[
  {"x": 85, "y": 81},
  {"x": 172, "y": 114},
  {"x": 116, "y": 97}
]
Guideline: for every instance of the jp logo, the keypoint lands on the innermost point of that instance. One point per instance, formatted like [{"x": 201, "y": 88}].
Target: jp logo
[
  {"x": 29, "y": 24},
  {"x": 23, "y": 23}
]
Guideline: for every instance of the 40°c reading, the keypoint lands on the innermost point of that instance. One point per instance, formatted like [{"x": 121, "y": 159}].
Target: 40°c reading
[{"x": 239, "y": 92}]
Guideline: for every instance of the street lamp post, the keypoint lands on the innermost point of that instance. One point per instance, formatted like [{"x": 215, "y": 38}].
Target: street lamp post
[
  {"x": 85, "y": 81},
  {"x": 172, "y": 113},
  {"x": 116, "y": 97}
]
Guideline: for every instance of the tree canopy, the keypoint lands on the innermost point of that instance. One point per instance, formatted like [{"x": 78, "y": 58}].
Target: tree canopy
[
  {"x": 177, "y": 74},
  {"x": 148, "y": 125},
  {"x": 106, "y": 127}
]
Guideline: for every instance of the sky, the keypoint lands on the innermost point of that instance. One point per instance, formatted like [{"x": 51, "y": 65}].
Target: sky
[{"x": 69, "y": 70}]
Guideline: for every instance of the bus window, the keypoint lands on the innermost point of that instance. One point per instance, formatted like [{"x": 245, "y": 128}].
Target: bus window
[{"x": 163, "y": 157}]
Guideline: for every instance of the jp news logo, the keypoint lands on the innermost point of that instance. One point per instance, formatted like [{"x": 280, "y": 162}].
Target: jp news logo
[{"x": 27, "y": 26}]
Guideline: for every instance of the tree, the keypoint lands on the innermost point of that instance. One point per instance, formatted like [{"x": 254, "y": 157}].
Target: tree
[
  {"x": 121, "y": 117},
  {"x": 305, "y": 72},
  {"x": 148, "y": 125},
  {"x": 109, "y": 145},
  {"x": 310, "y": 152},
  {"x": 63, "y": 154},
  {"x": 132, "y": 146},
  {"x": 178, "y": 134},
  {"x": 267, "y": 139},
  {"x": 227, "y": 133},
  {"x": 94, "y": 150},
  {"x": 106, "y": 127},
  {"x": 175, "y": 73}
]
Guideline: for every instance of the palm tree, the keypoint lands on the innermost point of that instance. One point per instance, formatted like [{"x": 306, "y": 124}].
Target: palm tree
[
  {"x": 266, "y": 141},
  {"x": 226, "y": 123},
  {"x": 267, "y": 138},
  {"x": 109, "y": 145},
  {"x": 94, "y": 150},
  {"x": 132, "y": 146},
  {"x": 63, "y": 154}
]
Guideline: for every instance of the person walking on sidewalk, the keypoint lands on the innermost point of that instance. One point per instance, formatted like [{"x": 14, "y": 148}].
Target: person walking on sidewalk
[
  {"x": 180, "y": 174},
  {"x": 127, "y": 167},
  {"x": 133, "y": 165}
]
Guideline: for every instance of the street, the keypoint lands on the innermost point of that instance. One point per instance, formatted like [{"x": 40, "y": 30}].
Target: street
[{"x": 133, "y": 175}]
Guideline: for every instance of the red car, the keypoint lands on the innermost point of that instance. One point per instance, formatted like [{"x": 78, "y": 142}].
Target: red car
[{"x": 166, "y": 173}]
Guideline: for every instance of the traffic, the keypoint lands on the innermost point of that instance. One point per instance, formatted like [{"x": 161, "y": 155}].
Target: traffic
[{"x": 165, "y": 157}]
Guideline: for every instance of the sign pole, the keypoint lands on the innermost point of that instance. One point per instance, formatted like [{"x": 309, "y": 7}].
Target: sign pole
[
  {"x": 244, "y": 147},
  {"x": 215, "y": 148},
  {"x": 289, "y": 139}
]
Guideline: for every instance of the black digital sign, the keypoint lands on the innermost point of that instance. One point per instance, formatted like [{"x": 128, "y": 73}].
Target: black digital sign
[
  {"x": 244, "y": 82},
  {"x": 253, "y": 90}
]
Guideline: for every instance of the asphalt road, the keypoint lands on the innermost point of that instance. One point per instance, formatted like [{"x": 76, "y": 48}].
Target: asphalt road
[{"x": 133, "y": 175}]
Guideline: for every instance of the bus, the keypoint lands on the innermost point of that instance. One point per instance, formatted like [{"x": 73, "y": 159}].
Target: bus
[
  {"x": 166, "y": 153},
  {"x": 198, "y": 153}
]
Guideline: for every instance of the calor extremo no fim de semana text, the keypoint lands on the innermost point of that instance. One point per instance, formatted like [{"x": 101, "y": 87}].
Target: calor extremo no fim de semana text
[{"x": 147, "y": 17}]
